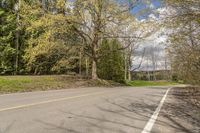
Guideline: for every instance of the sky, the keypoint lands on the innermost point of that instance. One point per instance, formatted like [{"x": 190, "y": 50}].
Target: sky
[
  {"x": 151, "y": 44},
  {"x": 144, "y": 9}
]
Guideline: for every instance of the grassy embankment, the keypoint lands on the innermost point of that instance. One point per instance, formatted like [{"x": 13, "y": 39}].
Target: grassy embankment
[
  {"x": 9, "y": 84},
  {"x": 150, "y": 83}
]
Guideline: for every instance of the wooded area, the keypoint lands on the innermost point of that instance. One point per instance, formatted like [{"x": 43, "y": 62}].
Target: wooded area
[
  {"x": 93, "y": 38},
  {"x": 184, "y": 39}
]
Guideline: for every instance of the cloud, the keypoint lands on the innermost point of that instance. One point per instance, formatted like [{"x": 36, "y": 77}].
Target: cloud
[
  {"x": 151, "y": 6},
  {"x": 153, "y": 17},
  {"x": 153, "y": 47},
  {"x": 165, "y": 11}
]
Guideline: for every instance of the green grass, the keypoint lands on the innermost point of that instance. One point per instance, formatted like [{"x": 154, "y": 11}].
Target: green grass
[
  {"x": 27, "y": 83},
  {"x": 150, "y": 83},
  {"x": 11, "y": 84}
]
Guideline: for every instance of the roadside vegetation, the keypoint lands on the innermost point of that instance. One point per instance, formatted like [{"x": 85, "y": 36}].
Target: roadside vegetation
[
  {"x": 150, "y": 83},
  {"x": 10, "y": 84},
  {"x": 184, "y": 40}
]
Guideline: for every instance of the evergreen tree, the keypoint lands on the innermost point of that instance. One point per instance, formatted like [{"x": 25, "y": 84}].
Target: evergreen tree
[
  {"x": 111, "y": 65},
  {"x": 7, "y": 37}
]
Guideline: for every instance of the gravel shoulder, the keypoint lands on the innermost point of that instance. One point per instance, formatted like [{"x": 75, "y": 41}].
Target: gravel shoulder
[{"x": 181, "y": 112}]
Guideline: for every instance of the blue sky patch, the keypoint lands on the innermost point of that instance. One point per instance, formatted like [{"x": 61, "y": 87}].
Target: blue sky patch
[{"x": 142, "y": 9}]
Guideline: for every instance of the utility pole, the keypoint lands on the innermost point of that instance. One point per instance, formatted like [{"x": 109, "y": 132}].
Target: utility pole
[
  {"x": 166, "y": 74},
  {"x": 125, "y": 67},
  {"x": 148, "y": 70}
]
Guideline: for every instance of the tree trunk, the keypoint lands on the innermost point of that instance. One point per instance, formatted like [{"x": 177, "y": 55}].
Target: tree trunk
[
  {"x": 94, "y": 55},
  {"x": 94, "y": 69},
  {"x": 86, "y": 67},
  {"x": 17, "y": 52},
  {"x": 80, "y": 63},
  {"x": 129, "y": 75},
  {"x": 44, "y": 4},
  {"x": 36, "y": 70},
  {"x": 125, "y": 68},
  {"x": 17, "y": 35},
  {"x": 129, "y": 67}
]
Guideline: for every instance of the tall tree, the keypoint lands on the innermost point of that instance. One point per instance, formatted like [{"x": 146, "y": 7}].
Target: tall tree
[
  {"x": 111, "y": 66},
  {"x": 7, "y": 36},
  {"x": 94, "y": 20},
  {"x": 51, "y": 42}
]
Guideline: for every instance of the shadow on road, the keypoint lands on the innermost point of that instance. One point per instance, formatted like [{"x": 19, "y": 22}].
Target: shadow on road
[
  {"x": 58, "y": 128},
  {"x": 123, "y": 115},
  {"x": 8, "y": 128},
  {"x": 182, "y": 109}
]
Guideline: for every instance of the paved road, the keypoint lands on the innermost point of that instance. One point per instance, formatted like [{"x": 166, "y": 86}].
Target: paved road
[{"x": 86, "y": 110}]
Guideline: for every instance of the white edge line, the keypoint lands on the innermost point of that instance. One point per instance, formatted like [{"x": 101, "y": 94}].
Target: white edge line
[{"x": 152, "y": 120}]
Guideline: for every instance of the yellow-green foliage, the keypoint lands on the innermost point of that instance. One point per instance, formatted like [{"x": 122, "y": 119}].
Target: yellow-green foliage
[{"x": 48, "y": 40}]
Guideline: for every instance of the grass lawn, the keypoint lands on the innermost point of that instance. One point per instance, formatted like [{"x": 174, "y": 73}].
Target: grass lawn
[
  {"x": 10, "y": 84},
  {"x": 29, "y": 83},
  {"x": 150, "y": 83}
]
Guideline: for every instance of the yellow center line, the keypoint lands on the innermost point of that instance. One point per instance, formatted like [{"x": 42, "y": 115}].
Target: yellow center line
[{"x": 50, "y": 101}]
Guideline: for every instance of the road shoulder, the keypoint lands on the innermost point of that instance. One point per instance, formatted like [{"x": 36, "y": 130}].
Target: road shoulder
[{"x": 180, "y": 112}]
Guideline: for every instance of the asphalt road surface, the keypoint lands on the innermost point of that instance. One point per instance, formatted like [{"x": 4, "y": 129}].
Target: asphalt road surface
[{"x": 84, "y": 110}]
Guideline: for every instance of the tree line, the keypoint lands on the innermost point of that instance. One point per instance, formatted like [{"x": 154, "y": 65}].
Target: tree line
[
  {"x": 184, "y": 39},
  {"x": 59, "y": 36}
]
